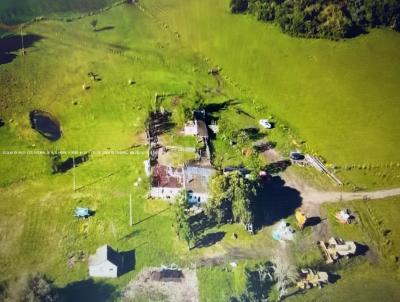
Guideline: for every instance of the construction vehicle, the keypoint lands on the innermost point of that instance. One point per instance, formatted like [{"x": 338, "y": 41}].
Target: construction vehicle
[
  {"x": 345, "y": 216},
  {"x": 337, "y": 248},
  {"x": 301, "y": 218},
  {"x": 310, "y": 278}
]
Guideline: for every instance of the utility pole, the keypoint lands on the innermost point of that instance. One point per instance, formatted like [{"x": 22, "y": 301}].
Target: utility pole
[
  {"x": 73, "y": 174},
  {"x": 130, "y": 209}
]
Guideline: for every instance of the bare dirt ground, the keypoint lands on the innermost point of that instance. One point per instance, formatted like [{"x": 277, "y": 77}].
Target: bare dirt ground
[
  {"x": 145, "y": 288},
  {"x": 312, "y": 198}
]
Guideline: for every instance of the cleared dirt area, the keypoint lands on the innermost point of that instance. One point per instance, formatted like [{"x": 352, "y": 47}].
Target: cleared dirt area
[{"x": 148, "y": 286}]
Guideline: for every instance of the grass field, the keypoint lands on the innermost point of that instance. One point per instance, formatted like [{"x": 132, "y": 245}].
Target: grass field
[
  {"x": 375, "y": 277},
  {"x": 376, "y": 225},
  {"x": 341, "y": 98},
  {"x": 15, "y": 11},
  {"x": 37, "y": 229},
  {"x": 38, "y": 206}
]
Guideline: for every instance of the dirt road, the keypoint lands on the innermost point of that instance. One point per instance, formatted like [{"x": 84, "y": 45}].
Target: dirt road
[{"x": 311, "y": 195}]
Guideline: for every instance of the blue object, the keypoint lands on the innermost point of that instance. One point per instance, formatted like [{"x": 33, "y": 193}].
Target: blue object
[{"x": 82, "y": 212}]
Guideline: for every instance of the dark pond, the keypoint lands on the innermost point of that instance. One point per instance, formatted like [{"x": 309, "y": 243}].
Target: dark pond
[
  {"x": 1, "y": 122},
  {"x": 45, "y": 124},
  {"x": 11, "y": 44}
]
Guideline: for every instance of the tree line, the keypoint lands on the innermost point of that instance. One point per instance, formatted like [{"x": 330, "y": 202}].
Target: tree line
[{"x": 333, "y": 19}]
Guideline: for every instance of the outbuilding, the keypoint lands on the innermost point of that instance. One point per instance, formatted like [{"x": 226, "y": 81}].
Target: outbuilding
[{"x": 105, "y": 263}]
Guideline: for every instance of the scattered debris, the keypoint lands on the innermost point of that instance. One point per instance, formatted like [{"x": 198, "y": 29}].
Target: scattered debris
[
  {"x": 337, "y": 248},
  {"x": 155, "y": 284},
  {"x": 283, "y": 232},
  {"x": 76, "y": 257},
  {"x": 345, "y": 216}
]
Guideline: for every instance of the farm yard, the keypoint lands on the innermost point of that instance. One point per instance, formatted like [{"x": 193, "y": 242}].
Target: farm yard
[{"x": 98, "y": 69}]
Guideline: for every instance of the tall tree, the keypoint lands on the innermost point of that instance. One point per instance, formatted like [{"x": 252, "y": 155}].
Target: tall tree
[
  {"x": 182, "y": 224},
  {"x": 231, "y": 197},
  {"x": 284, "y": 272}
]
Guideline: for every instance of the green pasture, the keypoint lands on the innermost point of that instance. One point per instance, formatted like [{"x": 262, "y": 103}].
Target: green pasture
[
  {"x": 37, "y": 229},
  {"x": 376, "y": 225},
  {"x": 341, "y": 98},
  {"x": 16, "y": 11},
  {"x": 354, "y": 82}
]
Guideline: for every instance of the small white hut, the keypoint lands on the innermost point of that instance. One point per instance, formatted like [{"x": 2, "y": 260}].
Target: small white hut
[{"x": 105, "y": 263}]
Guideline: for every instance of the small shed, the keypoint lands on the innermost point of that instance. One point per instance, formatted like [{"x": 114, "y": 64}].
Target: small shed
[{"x": 105, "y": 263}]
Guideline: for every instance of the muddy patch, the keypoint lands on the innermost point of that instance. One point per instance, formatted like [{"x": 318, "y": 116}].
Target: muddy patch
[
  {"x": 44, "y": 123},
  {"x": 153, "y": 284}
]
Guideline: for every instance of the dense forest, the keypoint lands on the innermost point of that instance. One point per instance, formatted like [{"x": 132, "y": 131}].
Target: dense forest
[{"x": 332, "y": 19}]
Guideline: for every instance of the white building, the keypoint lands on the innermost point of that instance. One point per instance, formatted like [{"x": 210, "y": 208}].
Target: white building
[{"x": 105, "y": 263}]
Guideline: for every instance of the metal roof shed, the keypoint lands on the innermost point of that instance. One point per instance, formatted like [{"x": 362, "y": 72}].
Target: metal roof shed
[{"x": 105, "y": 263}]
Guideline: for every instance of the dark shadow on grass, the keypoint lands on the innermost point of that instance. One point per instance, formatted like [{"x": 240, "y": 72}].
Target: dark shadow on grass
[
  {"x": 361, "y": 249},
  {"x": 128, "y": 262},
  {"x": 151, "y": 216},
  {"x": 105, "y": 28},
  {"x": 201, "y": 222},
  {"x": 264, "y": 146},
  {"x": 312, "y": 221},
  {"x": 241, "y": 111},
  {"x": 274, "y": 202},
  {"x": 97, "y": 180},
  {"x": 258, "y": 288},
  {"x": 277, "y": 167},
  {"x": 88, "y": 291},
  {"x": 63, "y": 166},
  {"x": 333, "y": 278},
  {"x": 218, "y": 107},
  {"x": 131, "y": 235},
  {"x": 210, "y": 239},
  {"x": 11, "y": 44}
]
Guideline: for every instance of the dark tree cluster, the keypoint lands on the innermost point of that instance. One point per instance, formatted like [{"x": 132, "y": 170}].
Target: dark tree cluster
[{"x": 333, "y": 19}]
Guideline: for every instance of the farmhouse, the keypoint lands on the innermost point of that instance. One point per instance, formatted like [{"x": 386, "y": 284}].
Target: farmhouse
[
  {"x": 166, "y": 181},
  {"x": 105, "y": 263}
]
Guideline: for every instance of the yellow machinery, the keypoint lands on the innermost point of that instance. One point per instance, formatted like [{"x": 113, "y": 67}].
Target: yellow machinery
[
  {"x": 301, "y": 218},
  {"x": 310, "y": 278}
]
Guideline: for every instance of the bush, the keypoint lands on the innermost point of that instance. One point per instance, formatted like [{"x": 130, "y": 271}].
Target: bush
[
  {"x": 29, "y": 288},
  {"x": 238, "y": 6}
]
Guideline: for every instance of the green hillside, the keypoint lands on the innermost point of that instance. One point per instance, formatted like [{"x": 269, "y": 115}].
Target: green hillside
[
  {"x": 341, "y": 97},
  {"x": 15, "y": 11}
]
